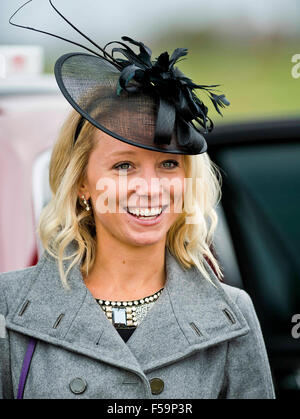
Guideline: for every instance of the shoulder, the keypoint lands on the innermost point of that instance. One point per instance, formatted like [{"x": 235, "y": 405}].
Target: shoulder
[
  {"x": 12, "y": 284},
  {"x": 232, "y": 292},
  {"x": 237, "y": 295},
  {"x": 245, "y": 304},
  {"x": 240, "y": 297}
]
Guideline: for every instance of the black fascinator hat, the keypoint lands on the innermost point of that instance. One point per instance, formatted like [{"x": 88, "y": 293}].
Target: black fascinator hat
[{"x": 143, "y": 102}]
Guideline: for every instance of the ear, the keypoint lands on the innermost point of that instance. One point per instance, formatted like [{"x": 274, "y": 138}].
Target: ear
[{"x": 83, "y": 190}]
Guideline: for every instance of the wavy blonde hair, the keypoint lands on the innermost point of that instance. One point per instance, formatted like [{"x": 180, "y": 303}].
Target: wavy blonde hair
[{"x": 64, "y": 219}]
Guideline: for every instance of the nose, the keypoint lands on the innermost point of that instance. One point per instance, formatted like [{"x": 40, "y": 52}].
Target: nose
[{"x": 147, "y": 187}]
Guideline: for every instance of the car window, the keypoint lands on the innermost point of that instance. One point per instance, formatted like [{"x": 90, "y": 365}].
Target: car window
[{"x": 261, "y": 197}]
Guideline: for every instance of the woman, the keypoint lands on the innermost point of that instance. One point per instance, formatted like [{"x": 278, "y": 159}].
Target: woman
[{"x": 123, "y": 302}]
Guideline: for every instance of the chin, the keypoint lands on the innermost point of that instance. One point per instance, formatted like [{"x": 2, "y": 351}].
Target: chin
[{"x": 144, "y": 241}]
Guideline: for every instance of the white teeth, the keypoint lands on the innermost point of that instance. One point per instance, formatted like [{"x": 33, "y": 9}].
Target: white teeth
[{"x": 145, "y": 212}]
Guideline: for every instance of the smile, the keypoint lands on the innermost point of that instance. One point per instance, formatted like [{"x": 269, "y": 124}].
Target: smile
[
  {"x": 146, "y": 216},
  {"x": 145, "y": 212}
]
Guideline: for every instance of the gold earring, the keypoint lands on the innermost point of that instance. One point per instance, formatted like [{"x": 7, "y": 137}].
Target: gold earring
[{"x": 87, "y": 207}]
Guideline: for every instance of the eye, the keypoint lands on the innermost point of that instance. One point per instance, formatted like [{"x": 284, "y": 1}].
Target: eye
[
  {"x": 170, "y": 164},
  {"x": 122, "y": 166}
]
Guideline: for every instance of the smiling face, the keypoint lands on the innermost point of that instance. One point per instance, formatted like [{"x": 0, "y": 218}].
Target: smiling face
[{"x": 136, "y": 194}]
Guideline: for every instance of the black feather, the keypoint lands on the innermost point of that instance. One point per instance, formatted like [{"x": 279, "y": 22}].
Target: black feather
[{"x": 167, "y": 81}]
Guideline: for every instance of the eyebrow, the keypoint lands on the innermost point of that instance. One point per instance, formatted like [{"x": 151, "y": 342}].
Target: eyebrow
[
  {"x": 130, "y": 152},
  {"x": 121, "y": 153}
]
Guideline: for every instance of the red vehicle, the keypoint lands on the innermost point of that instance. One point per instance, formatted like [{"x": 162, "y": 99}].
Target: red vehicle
[{"x": 31, "y": 113}]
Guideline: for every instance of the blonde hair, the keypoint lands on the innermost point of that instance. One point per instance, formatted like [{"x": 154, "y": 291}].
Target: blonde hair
[{"x": 64, "y": 219}]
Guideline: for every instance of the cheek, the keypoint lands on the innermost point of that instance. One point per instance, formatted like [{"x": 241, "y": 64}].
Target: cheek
[
  {"x": 105, "y": 194},
  {"x": 176, "y": 192}
]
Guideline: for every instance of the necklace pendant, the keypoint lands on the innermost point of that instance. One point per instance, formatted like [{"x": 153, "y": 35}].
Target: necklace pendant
[{"x": 119, "y": 316}]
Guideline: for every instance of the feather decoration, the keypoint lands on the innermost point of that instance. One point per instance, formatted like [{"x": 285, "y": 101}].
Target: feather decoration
[{"x": 162, "y": 77}]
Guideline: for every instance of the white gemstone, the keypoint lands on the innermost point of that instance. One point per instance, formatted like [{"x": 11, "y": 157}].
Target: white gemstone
[
  {"x": 151, "y": 298},
  {"x": 119, "y": 303},
  {"x": 136, "y": 303},
  {"x": 107, "y": 303},
  {"x": 119, "y": 315},
  {"x": 147, "y": 299}
]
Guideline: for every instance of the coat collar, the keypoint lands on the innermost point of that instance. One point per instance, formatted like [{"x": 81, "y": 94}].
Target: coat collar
[{"x": 187, "y": 317}]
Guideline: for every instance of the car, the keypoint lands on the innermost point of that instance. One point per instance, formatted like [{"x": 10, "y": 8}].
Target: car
[
  {"x": 259, "y": 238},
  {"x": 31, "y": 112}
]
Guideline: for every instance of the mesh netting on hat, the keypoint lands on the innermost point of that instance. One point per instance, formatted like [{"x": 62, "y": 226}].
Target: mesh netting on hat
[{"x": 90, "y": 84}]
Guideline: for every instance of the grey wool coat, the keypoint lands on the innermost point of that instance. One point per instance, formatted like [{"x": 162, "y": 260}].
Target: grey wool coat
[{"x": 199, "y": 341}]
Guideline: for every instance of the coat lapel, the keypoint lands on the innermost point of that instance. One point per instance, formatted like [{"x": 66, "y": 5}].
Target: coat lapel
[
  {"x": 68, "y": 318},
  {"x": 190, "y": 314}
]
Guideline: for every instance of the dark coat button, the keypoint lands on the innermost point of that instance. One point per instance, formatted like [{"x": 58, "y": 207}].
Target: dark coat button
[
  {"x": 78, "y": 385},
  {"x": 157, "y": 385}
]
